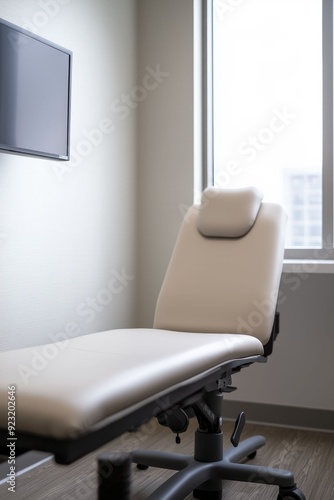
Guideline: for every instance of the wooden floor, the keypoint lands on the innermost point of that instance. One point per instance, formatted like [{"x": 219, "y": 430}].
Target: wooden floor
[{"x": 310, "y": 455}]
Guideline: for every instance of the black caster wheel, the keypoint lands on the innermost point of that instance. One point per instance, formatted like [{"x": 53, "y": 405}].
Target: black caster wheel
[
  {"x": 252, "y": 455},
  {"x": 114, "y": 474},
  {"x": 142, "y": 467},
  {"x": 295, "y": 494},
  {"x": 207, "y": 495}
]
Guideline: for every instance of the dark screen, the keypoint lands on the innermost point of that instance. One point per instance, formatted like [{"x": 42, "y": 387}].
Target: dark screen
[{"x": 34, "y": 95}]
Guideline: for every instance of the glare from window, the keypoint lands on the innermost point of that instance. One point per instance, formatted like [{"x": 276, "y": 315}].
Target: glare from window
[{"x": 268, "y": 106}]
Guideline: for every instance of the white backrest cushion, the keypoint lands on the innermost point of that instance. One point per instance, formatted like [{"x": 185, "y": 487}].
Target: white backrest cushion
[{"x": 224, "y": 285}]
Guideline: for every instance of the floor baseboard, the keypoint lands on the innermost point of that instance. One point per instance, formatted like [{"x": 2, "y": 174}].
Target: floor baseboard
[{"x": 284, "y": 416}]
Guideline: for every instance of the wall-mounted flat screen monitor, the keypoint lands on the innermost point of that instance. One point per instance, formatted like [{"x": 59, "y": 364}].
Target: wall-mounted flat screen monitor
[{"x": 35, "y": 89}]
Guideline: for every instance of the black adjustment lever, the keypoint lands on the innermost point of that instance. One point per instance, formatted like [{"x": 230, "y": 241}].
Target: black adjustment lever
[
  {"x": 238, "y": 428},
  {"x": 176, "y": 419}
]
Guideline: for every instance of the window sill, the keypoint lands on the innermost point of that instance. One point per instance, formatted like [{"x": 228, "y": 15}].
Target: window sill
[{"x": 308, "y": 266}]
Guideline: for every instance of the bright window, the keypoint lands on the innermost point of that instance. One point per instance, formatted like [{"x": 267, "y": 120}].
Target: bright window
[{"x": 273, "y": 110}]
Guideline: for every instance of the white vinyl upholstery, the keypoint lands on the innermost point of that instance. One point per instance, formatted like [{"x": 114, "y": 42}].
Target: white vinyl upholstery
[
  {"x": 217, "y": 304},
  {"x": 226, "y": 213},
  {"x": 105, "y": 375},
  {"x": 224, "y": 285}
]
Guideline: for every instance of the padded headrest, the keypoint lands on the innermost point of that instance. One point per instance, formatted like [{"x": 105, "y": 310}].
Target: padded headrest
[{"x": 228, "y": 213}]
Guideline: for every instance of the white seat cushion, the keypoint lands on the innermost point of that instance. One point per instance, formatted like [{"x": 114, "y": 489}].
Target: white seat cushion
[{"x": 65, "y": 389}]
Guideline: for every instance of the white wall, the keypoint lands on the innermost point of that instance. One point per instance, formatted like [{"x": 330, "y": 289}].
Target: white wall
[
  {"x": 300, "y": 372},
  {"x": 165, "y": 139},
  {"x": 65, "y": 228}
]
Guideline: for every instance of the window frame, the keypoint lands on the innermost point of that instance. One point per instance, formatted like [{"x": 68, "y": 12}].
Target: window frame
[{"x": 326, "y": 251}]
